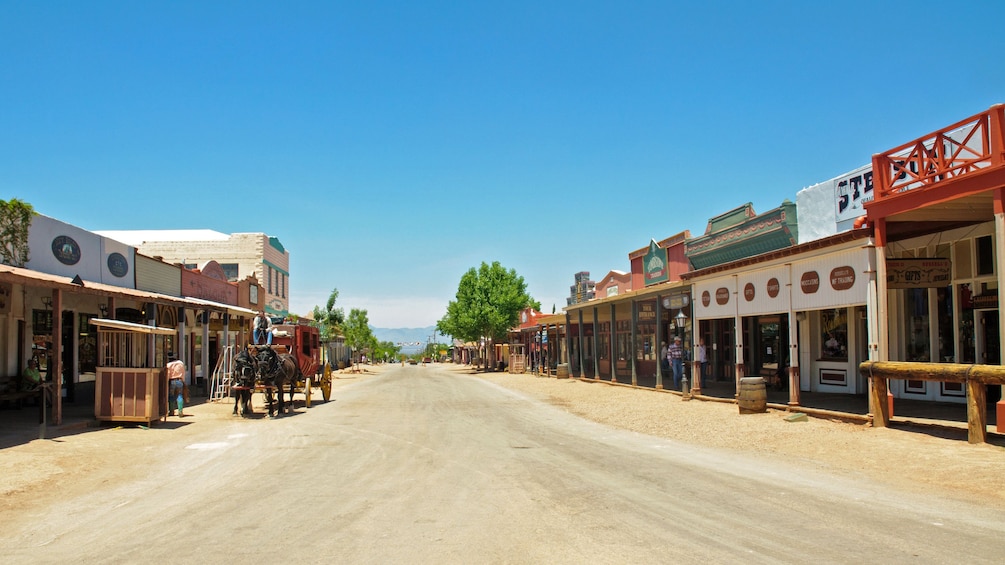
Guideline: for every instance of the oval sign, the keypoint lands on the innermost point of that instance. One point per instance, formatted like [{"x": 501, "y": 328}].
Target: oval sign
[
  {"x": 773, "y": 287},
  {"x": 842, "y": 278},
  {"x": 706, "y": 299},
  {"x": 809, "y": 282},
  {"x": 722, "y": 296},
  {"x": 748, "y": 291}
]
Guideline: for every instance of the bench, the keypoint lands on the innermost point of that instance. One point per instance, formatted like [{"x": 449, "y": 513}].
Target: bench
[{"x": 11, "y": 393}]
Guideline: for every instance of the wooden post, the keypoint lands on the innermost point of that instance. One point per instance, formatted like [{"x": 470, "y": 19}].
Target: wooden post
[
  {"x": 596, "y": 346},
  {"x": 614, "y": 358},
  {"x": 633, "y": 346},
  {"x": 977, "y": 418},
  {"x": 880, "y": 419}
]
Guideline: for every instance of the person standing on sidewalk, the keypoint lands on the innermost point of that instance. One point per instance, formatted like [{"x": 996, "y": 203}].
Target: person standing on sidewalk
[
  {"x": 675, "y": 354},
  {"x": 703, "y": 359},
  {"x": 176, "y": 385}
]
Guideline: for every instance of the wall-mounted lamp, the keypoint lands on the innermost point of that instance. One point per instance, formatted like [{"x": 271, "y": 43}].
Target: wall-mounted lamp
[
  {"x": 104, "y": 310},
  {"x": 47, "y": 302}
]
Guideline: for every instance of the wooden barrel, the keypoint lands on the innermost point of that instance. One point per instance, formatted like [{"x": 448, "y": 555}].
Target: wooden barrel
[
  {"x": 562, "y": 371},
  {"x": 753, "y": 397}
]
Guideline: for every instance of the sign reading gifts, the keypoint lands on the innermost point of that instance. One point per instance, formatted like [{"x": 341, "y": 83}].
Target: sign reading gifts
[{"x": 918, "y": 273}]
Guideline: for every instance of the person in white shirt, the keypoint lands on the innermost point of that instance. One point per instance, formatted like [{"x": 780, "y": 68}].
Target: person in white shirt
[{"x": 262, "y": 329}]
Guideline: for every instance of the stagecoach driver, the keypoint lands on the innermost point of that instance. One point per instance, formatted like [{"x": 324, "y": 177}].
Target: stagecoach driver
[{"x": 262, "y": 329}]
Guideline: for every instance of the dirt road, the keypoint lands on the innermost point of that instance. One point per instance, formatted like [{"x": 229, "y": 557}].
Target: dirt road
[{"x": 427, "y": 464}]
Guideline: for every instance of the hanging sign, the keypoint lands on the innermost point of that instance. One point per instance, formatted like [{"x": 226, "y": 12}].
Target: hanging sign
[
  {"x": 918, "y": 273},
  {"x": 655, "y": 264}
]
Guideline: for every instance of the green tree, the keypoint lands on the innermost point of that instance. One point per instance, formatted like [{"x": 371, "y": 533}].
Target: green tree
[
  {"x": 15, "y": 219},
  {"x": 329, "y": 319},
  {"x": 357, "y": 332},
  {"x": 487, "y": 305},
  {"x": 386, "y": 351}
]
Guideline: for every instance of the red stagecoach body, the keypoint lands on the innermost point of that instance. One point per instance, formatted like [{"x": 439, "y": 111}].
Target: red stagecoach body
[{"x": 301, "y": 341}]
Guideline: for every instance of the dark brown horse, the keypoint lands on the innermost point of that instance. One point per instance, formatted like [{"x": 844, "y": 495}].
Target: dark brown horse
[
  {"x": 245, "y": 372},
  {"x": 277, "y": 370}
]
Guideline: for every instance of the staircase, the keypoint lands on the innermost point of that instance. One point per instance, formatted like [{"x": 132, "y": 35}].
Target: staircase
[{"x": 223, "y": 375}]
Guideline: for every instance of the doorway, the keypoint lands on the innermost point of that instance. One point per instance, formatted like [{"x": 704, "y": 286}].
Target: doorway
[
  {"x": 69, "y": 346},
  {"x": 988, "y": 346}
]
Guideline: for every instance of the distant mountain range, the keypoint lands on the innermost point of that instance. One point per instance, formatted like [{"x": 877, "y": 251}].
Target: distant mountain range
[{"x": 411, "y": 339}]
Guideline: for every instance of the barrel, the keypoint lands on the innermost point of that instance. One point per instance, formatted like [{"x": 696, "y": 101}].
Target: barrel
[
  {"x": 562, "y": 371},
  {"x": 753, "y": 397}
]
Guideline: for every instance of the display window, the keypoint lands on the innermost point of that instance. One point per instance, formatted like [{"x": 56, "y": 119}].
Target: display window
[{"x": 834, "y": 335}]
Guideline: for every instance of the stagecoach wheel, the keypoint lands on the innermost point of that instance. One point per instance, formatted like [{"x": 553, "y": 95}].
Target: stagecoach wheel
[
  {"x": 307, "y": 392},
  {"x": 326, "y": 383}
]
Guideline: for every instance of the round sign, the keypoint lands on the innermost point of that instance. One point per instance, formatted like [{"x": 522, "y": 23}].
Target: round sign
[
  {"x": 706, "y": 299},
  {"x": 809, "y": 282},
  {"x": 66, "y": 250},
  {"x": 842, "y": 278},
  {"x": 722, "y": 296},
  {"x": 117, "y": 265},
  {"x": 748, "y": 291},
  {"x": 773, "y": 287}
]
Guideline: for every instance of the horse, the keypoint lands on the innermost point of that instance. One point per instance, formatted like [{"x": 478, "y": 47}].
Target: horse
[
  {"x": 276, "y": 370},
  {"x": 245, "y": 371}
]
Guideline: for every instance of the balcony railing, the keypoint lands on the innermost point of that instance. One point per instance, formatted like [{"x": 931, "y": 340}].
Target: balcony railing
[{"x": 976, "y": 144}]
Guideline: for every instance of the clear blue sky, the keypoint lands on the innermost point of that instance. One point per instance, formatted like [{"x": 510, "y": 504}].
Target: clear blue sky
[{"x": 391, "y": 146}]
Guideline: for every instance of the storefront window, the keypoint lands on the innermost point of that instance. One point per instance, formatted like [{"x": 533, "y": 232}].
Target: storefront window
[
  {"x": 624, "y": 340},
  {"x": 604, "y": 340},
  {"x": 88, "y": 351},
  {"x": 646, "y": 348},
  {"x": 917, "y": 324},
  {"x": 834, "y": 334},
  {"x": 947, "y": 343},
  {"x": 968, "y": 353}
]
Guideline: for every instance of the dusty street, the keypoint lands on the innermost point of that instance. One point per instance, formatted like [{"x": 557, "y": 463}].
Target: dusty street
[{"x": 428, "y": 464}]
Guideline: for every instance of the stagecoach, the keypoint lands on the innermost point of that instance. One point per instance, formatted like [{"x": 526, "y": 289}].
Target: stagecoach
[{"x": 301, "y": 340}]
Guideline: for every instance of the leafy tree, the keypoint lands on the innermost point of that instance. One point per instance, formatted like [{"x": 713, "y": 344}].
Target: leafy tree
[
  {"x": 357, "y": 332},
  {"x": 329, "y": 320},
  {"x": 488, "y": 304},
  {"x": 386, "y": 351},
  {"x": 15, "y": 219}
]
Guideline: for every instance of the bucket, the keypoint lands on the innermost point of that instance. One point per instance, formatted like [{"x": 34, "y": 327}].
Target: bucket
[{"x": 753, "y": 397}]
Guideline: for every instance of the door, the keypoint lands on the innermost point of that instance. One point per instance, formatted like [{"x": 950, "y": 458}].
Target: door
[
  {"x": 988, "y": 346},
  {"x": 69, "y": 347}
]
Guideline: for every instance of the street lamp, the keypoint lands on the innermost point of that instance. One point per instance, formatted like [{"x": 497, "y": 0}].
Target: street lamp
[
  {"x": 685, "y": 389},
  {"x": 681, "y": 320}
]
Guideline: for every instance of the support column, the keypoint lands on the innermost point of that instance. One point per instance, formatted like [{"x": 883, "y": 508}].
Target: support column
[
  {"x": 55, "y": 366},
  {"x": 179, "y": 347},
  {"x": 881, "y": 405},
  {"x": 999, "y": 208},
  {"x": 205, "y": 352},
  {"x": 741, "y": 369},
  {"x": 596, "y": 345},
  {"x": 660, "y": 339},
  {"x": 151, "y": 311},
  {"x": 633, "y": 346},
  {"x": 582, "y": 356},
  {"x": 793, "y": 347},
  {"x": 614, "y": 359}
]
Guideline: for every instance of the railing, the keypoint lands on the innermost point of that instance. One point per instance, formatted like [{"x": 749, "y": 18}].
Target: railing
[{"x": 972, "y": 145}]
